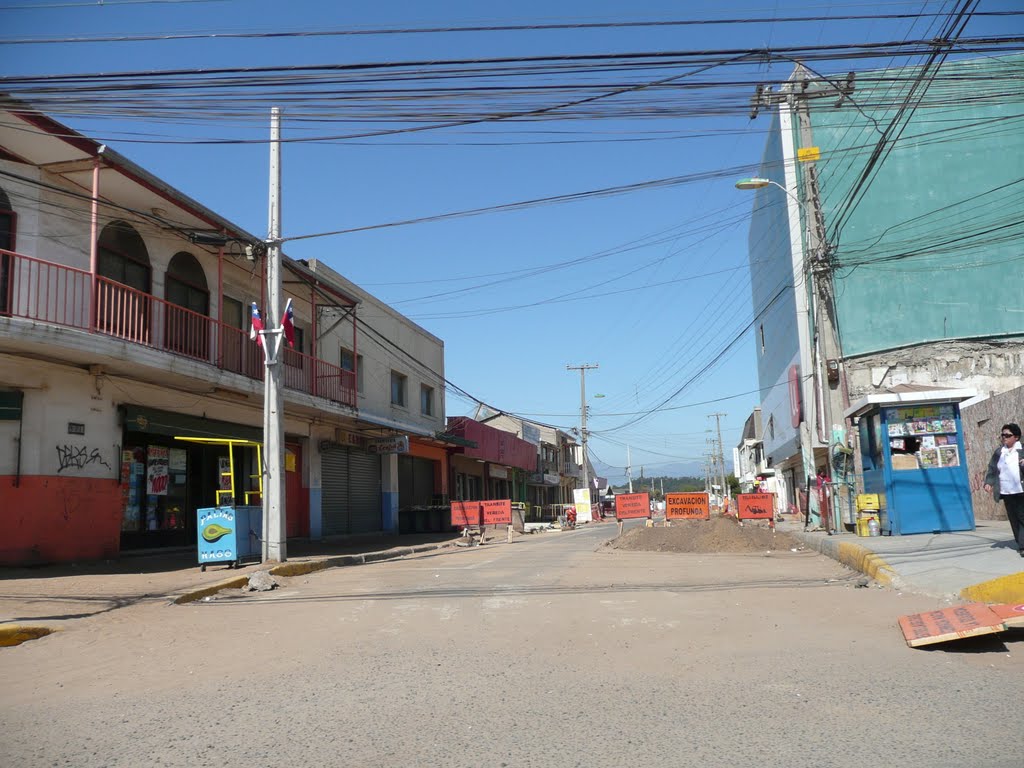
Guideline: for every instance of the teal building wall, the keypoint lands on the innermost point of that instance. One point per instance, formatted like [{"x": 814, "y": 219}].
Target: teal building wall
[{"x": 934, "y": 250}]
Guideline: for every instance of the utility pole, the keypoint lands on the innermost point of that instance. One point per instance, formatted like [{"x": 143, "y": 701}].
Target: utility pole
[
  {"x": 583, "y": 417},
  {"x": 825, "y": 349},
  {"x": 274, "y": 548},
  {"x": 629, "y": 469},
  {"x": 721, "y": 456}
]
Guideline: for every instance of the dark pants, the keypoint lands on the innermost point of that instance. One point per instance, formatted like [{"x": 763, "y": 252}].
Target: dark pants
[{"x": 1015, "y": 511}]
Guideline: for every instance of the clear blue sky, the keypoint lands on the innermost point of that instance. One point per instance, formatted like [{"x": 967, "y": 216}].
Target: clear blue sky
[{"x": 651, "y": 316}]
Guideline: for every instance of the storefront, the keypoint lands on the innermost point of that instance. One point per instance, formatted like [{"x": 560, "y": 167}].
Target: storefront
[
  {"x": 163, "y": 480},
  {"x": 351, "y": 491},
  {"x": 422, "y": 489}
]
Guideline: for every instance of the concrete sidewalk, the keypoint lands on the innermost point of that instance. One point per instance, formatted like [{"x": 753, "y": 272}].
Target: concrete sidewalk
[
  {"x": 57, "y": 595},
  {"x": 981, "y": 565}
]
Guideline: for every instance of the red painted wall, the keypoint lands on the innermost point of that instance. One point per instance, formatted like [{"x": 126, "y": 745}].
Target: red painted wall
[
  {"x": 494, "y": 445},
  {"x": 58, "y": 519}
]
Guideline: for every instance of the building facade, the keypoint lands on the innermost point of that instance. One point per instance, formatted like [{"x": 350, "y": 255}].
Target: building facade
[
  {"x": 884, "y": 262},
  {"x": 127, "y": 367}
]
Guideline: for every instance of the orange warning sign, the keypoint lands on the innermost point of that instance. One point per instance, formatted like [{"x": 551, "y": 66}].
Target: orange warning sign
[
  {"x": 687, "y": 506},
  {"x": 465, "y": 513},
  {"x": 496, "y": 512},
  {"x": 630, "y": 505},
  {"x": 950, "y": 624},
  {"x": 755, "y": 506}
]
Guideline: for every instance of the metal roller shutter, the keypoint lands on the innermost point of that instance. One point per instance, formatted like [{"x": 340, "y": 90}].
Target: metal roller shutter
[
  {"x": 334, "y": 501},
  {"x": 364, "y": 493}
]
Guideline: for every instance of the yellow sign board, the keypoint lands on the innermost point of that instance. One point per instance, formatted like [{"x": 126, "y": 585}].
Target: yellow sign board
[{"x": 808, "y": 154}]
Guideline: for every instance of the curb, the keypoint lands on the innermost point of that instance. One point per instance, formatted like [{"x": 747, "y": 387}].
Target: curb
[
  {"x": 304, "y": 567},
  {"x": 853, "y": 556},
  {"x": 1005, "y": 589},
  {"x": 16, "y": 634}
]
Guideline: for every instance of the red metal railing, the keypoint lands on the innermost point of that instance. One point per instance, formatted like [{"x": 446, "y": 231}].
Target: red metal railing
[
  {"x": 43, "y": 291},
  {"x": 52, "y": 293}
]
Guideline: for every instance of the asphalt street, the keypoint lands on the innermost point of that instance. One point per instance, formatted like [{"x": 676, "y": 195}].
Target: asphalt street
[{"x": 547, "y": 652}]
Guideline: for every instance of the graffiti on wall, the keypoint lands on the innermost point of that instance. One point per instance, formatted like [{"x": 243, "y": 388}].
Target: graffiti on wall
[{"x": 77, "y": 457}]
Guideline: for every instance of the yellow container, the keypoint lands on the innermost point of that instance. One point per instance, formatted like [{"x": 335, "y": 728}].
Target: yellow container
[
  {"x": 862, "y": 524},
  {"x": 867, "y": 502}
]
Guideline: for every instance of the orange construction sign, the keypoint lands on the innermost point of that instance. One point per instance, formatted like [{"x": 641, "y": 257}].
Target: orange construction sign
[
  {"x": 951, "y": 624},
  {"x": 755, "y": 506},
  {"x": 687, "y": 506},
  {"x": 496, "y": 512},
  {"x": 465, "y": 513},
  {"x": 630, "y": 505}
]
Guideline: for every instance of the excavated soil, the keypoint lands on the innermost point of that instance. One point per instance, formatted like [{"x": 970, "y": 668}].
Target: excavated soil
[{"x": 719, "y": 534}]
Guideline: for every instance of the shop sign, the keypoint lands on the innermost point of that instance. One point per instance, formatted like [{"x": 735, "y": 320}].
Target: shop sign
[
  {"x": 630, "y": 505},
  {"x": 755, "y": 506},
  {"x": 157, "y": 474},
  {"x": 531, "y": 434},
  {"x": 496, "y": 512},
  {"x": 396, "y": 444},
  {"x": 795, "y": 407},
  {"x": 687, "y": 506},
  {"x": 498, "y": 472},
  {"x": 217, "y": 535}
]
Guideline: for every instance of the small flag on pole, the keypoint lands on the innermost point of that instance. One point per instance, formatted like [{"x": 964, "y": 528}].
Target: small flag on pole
[
  {"x": 257, "y": 325},
  {"x": 288, "y": 323}
]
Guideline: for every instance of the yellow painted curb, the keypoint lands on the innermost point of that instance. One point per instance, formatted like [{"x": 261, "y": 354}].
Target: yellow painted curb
[
  {"x": 1005, "y": 589},
  {"x": 234, "y": 583},
  {"x": 299, "y": 569},
  {"x": 865, "y": 561},
  {"x": 16, "y": 634}
]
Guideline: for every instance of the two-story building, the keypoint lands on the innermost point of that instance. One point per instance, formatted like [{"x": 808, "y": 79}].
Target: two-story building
[{"x": 126, "y": 364}]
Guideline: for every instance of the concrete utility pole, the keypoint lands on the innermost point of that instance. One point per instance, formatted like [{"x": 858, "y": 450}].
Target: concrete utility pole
[
  {"x": 825, "y": 346},
  {"x": 583, "y": 416},
  {"x": 274, "y": 547},
  {"x": 721, "y": 456}
]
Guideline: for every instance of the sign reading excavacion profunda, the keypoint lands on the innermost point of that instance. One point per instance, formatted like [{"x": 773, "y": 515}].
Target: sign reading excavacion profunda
[{"x": 687, "y": 506}]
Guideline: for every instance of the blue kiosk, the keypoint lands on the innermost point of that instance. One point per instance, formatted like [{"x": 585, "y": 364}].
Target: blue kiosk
[{"x": 912, "y": 449}]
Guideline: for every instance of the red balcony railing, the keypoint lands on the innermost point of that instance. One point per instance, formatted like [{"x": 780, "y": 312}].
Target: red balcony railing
[{"x": 52, "y": 293}]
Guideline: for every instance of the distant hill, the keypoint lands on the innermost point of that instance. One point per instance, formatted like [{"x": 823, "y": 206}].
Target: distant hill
[{"x": 671, "y": 485}]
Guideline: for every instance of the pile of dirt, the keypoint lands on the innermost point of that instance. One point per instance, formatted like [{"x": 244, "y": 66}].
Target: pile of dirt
[{"x": 719, "y": 534}]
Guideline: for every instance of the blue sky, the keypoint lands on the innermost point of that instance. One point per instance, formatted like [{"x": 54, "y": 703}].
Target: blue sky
[{"x": 670, "y": 290}]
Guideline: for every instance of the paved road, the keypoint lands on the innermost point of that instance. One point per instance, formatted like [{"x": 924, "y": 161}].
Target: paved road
[{"x": 540, "y": 653}]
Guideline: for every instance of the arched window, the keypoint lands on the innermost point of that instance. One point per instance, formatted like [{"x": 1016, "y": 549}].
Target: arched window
[
  {"x": 123, "y": 261},
  {"x": 7, "y": 229},
  {"x": 186, "y": 284},
  {"x": 187, "y": 330},
  {"x": 123, "y": 256}
]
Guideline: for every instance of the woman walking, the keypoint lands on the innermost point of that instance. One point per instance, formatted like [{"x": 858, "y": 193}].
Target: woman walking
[{"x": 1003, "y": 480}]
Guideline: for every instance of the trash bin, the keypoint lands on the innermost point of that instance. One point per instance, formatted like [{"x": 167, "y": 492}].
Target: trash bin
[{"x": 228, "y": 535}]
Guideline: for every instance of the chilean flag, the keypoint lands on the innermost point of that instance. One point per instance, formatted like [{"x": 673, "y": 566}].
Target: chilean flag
[
  {"x": 288, "y": 323},
  {"x": 257, "y": 325}
]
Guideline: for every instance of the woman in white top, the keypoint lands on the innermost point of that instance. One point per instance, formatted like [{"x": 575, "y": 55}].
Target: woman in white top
[{"x": 1003, "y": 479}]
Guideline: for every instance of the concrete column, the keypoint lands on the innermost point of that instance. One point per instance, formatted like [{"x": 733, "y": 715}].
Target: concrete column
[{"x": 389, "y": 492}]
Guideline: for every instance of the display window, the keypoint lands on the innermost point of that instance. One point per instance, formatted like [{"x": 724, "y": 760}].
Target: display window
[
  {"x": 154, "y": 481},
  {"x": 922, "y": 437}
]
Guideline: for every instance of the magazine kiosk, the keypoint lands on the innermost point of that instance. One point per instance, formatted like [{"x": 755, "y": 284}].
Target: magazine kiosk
[{"x": 912, "y": 448}]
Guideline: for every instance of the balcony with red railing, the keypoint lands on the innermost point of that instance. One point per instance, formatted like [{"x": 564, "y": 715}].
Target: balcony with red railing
[{"x": 55, "y": 294}]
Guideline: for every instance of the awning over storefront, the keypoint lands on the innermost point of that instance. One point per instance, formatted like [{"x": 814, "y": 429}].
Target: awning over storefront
[{"x": 494, "y": 445}]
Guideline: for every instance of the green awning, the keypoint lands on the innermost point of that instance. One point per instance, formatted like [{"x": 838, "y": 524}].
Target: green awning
[{"x": 154, "y": 422}]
